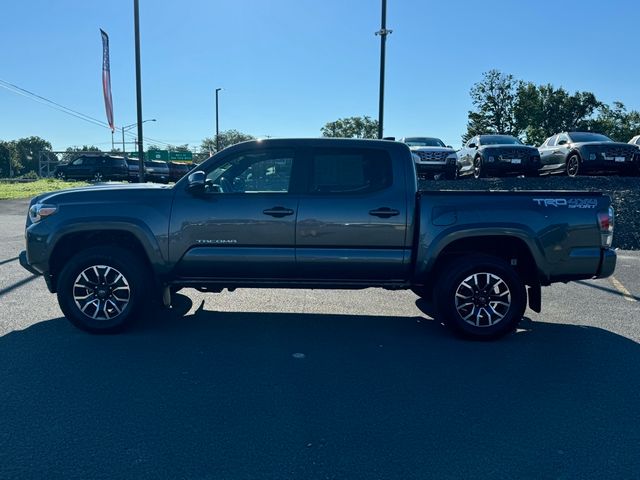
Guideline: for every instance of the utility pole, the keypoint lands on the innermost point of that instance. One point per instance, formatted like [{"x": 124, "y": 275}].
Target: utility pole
[
  {"x": 383, "y": 32},
  {"x": 136, "y": 21},
  {"x": 217, "y": 128}
]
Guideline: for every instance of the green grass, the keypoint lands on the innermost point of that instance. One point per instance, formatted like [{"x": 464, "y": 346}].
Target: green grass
[{"x": 10, "y": 191}]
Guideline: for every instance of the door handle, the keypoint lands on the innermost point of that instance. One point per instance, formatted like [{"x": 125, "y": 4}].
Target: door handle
[
  {"x": 384, "y": 212},
  {"x": 278, "y": 212}
]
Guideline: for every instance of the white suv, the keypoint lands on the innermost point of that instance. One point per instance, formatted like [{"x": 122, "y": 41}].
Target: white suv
[{"x": 432, "y": 157}]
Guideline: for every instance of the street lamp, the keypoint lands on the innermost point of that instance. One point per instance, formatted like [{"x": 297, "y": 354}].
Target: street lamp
[
  {"x": 217, "y": 131},
  {"x": 128, "y": 127}
]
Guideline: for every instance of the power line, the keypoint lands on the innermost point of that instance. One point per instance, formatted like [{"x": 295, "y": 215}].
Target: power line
[
  {"x": 69, "y": 111},
  {"x": 42, "y": 100}
]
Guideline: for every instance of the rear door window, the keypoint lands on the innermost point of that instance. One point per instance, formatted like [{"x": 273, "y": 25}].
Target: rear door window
[{"x": 350, "y": 171}]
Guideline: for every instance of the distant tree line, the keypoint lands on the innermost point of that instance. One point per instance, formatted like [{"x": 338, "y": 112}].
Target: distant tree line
[
  {"x": 504, "y": 105},
  {"x": 20, "y": 156},
  {"x": 501, "y": 104}
]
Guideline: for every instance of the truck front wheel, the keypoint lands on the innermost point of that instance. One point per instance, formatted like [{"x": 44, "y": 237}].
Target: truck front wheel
[
  {"x": 102, "y": 289},
  {"x": 480, "y": 296}
]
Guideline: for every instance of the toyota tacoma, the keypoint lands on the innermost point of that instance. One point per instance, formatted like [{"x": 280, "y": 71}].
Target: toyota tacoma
[{"x": 321, "y": 213}]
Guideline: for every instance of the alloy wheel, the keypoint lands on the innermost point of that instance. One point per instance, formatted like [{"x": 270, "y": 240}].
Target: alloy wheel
[
  {"x": 101, "y": 292},
  {"x": 482, "y": 299}
]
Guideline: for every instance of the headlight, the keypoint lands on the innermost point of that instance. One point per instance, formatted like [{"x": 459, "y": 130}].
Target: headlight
[{"x": 39, "y": 211}]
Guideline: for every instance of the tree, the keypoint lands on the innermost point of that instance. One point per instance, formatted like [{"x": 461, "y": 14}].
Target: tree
[
  {"x": 494, "y": 99},
  {"x": 27, "y": 152},
  {"x": 177, "y": 148},
  {"x": 543, "y": 110},
  {"x": 72, "y": 153},
  {"x": 226, "y": 139},
  {"x": 9, "y": 164},
  {"x": 351, "y": 127},
  {"x": 616, "y": 122}
]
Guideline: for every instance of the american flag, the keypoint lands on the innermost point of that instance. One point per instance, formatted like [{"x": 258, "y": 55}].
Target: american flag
[{"x": 106, "y": 79}]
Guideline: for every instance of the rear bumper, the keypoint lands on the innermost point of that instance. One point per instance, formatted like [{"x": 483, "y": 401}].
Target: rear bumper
[{"x": 608, "y": 259}]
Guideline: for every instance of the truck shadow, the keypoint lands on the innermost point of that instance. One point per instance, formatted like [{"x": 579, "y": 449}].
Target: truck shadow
[{"x": 272, "y": 395}]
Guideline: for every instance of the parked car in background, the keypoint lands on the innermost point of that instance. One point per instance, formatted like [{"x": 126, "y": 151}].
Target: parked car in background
[
  {"x": 178, "y": 170},
  {"x": 154, "y": 170},
  {"x": 95, "y": 167},
  {"x": 432, "y": 157},
  {"x": 578, "y": 153},
  {"x": 496, "y": 155},
  {"x": 635, "y": 141}
]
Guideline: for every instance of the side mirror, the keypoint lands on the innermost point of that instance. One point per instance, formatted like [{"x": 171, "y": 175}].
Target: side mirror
[
  {"x": 197, "y": 182},
  {"x": 473, "y": 145},
  {"x": 562, "y": 142},
  {"x": 449, "y": 146}
]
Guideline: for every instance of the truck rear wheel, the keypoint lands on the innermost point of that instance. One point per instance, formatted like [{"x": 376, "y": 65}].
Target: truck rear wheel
[
  {"x": 480, "y": 296},
  {"x": 102, "y": 289}
]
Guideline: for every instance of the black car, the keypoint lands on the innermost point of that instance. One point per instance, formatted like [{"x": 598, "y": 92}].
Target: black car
[
  {"x": 495, "y": 155},
  {"x": 586, "y": 152},
  {"x": 154, "y": 170},
  {"x": 177, "y": 170},
  {"x": 93, "y": 167}
]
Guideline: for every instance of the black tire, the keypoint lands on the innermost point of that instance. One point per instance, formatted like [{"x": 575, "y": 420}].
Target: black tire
[
  {"x": 97, "y": 177},
  {"x": 60, "y": 176},
  {"x": 478, "y": 168},
  {"x": 574, "y": 165},
  {"x": 496, "y": 296},
  {"x": 94, "y": 274}
]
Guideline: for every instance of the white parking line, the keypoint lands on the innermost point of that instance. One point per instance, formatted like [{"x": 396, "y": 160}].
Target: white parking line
[{"x": 622, "y": 289}]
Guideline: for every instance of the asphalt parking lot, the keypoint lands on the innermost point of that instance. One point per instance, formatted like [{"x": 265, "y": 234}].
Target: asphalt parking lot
[{"x": 318, "y": 384}]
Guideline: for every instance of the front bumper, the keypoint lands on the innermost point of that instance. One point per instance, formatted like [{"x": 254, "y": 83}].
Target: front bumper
[
  {"x": 22, "y": 258},
  {"x": 602, "y": 165},
  {"x": 436, "y": 167},
  {"x": 501, "y": 166}
]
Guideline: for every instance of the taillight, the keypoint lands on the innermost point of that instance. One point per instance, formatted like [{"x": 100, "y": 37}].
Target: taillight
[{"x": 605, "y": 221}]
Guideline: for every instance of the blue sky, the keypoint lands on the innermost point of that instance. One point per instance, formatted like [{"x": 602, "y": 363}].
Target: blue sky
[{"x": 287, "y": 67}]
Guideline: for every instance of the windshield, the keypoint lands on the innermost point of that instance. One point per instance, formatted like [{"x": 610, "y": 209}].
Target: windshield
[
  {"x": 579, "y": 137},
  {"x": 499, "y": 140},
  {"x": 424, "y": 142}
]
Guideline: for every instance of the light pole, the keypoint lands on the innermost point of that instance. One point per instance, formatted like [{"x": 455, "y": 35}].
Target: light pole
[
  {"x": 383, "y": 32},
  {"x": 217, "y": 130},
  {"x": 136, "y": 28},
  {"x": 128, "y": 127}
]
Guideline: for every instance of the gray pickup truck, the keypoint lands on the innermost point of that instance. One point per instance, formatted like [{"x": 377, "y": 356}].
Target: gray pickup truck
[{"x": 314, "y": 213}]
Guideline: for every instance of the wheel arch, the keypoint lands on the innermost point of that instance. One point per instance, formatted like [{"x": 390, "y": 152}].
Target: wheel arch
[
  {"x": 73, "y": 242},
  {"x": 511, "y": 248}
]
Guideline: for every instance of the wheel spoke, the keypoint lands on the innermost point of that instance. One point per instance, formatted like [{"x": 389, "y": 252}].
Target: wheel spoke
[
  {"x": 482, "y": 299},
  {"x": 105, "y": 298}
]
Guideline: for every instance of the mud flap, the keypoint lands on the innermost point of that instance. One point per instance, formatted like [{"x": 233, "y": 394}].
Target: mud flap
[{"x": 534, "y": 293}]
